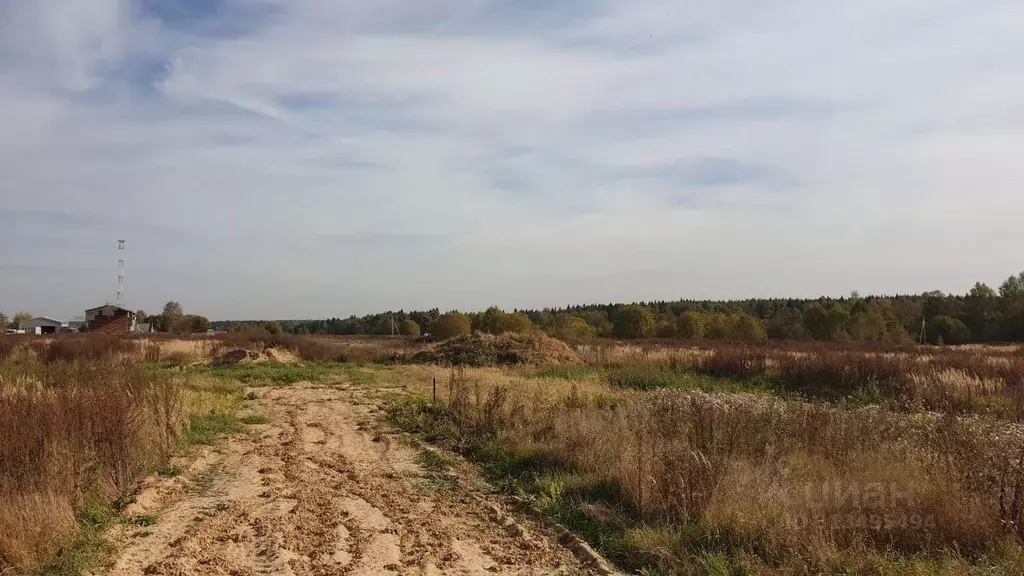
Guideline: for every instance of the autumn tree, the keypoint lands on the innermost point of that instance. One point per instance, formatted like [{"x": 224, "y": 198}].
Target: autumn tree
[
  {"x": 409, "y": 328},
  {"x": 21, "y": 317},
  {"x": 451, "y": 325},
  {"x": 690, "y": 325},
  {"x": 634, "y": 322}
]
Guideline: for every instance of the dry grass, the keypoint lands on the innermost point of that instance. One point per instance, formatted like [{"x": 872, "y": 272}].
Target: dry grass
[
  {"x": 750, "y": 482},
  {"x": 73, "y": 435},
  {"x": 976, "y": 379}
]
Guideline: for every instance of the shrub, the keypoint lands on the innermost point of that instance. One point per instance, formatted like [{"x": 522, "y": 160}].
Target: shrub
[
  {"x": 274, "y": 328},
  {"x": 950, "y": 330},
  {"x": 451, "y": 325},
  {"x": 410, "y": 328},
  {"x": 74, "y": 436},
  {"x": 634, "y": 322},
  {"x": 691, "y": 325},
  {"x": 744, "y": 327},
  {"x": 572, "y": 328}
]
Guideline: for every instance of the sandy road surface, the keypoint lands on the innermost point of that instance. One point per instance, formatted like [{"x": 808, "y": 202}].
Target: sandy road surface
[{"x": 320, "y": 489}]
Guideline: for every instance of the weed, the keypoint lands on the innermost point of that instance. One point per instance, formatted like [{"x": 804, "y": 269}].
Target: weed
[
  {"x": 207, "y": 428},
  {"x": 169, "y": 471},
  {"x": 143, "y": 520},
  {"x": 253, "y": 419}
]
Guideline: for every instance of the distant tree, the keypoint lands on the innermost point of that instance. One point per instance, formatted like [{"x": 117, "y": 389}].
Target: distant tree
[
  {"x": 141, "y": 317},
  {"x": 746, "y": 327},
  {"x": 191, "y": 324},
  {"x": 173, "y": 310},
  {"x": 3, "y": 321},
  {"x": 20, "y": 318},
  {"x": 425, "y": 319},
  {"x": 868, "y": 326},
  {"x": 451, "y": 325},
  {"x": 948, "y": 330},
  {"x": 981, "y": 312},
  {"x": 409, "y": 328},
  {"x": 665, "y": 329},
  {"x": 494, "y": 320},
  {"x": 826, "y": 323},
  {"x": 274, "y": 328},
  {"x": 691, "y": 325},
  {"x": 516, "y": 322},
  {"x": 160, "y": 323},
  {"x": 567, "y": 327},
  {"x": 1012, "y": 288},
  {"x": 634, "y": 322}
]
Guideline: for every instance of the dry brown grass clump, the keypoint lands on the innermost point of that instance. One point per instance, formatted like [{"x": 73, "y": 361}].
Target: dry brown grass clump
[
  {"x": 71, "y": 435},
  {"x": 986, "y": 380},
  {"x": 709, "y": 477},
  {"x": 506, "y": 349}
]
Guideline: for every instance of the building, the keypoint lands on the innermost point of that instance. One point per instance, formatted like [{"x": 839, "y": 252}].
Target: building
[
  {"x": 109, "y": 319},
  {"x": 143, "y": 327},
  {"x": 42, "y": 325},
  {"x": 77, "y": 324}
]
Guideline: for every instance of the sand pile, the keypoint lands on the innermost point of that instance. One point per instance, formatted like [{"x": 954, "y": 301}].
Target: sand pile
[
  {"x": 242, "y": 356},
  {"x": 506, "y": 349}
]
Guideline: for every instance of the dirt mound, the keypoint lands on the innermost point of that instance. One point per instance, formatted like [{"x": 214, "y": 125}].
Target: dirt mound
[
  {"x": 506, "y": 349},
  {"x": 240, "y": 356}
]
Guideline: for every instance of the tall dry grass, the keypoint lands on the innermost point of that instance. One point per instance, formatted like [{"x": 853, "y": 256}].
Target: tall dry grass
[
  {"x": 745, "y": 475},
  {"x": 979, "y": 379},
  {"x": 74, "y": 434}
]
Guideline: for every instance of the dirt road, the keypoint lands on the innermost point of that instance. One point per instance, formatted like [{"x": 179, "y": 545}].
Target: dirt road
[{"x": 322, "y": 489}]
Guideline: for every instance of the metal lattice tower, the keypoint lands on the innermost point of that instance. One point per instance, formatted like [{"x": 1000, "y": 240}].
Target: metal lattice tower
[{"x": 120, "y": 272}]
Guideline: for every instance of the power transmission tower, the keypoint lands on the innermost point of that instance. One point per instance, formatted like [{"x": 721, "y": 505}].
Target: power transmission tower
[{"x": 120, "y": 272}]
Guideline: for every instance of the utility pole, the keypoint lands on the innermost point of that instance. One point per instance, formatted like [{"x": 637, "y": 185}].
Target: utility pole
[{"x": 120, "y": 272}]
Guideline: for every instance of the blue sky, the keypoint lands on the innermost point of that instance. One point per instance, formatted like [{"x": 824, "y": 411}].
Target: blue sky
[{"x": 310, "y": 158}]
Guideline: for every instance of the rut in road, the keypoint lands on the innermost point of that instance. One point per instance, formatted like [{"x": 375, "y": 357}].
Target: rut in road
[{"x": 320, "y": 490}]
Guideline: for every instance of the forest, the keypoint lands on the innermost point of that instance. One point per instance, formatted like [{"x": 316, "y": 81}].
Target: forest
[{"x": 983, "y": 314}]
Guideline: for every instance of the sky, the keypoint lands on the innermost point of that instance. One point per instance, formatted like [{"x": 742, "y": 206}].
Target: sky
[{"x": 319, "y": 158}]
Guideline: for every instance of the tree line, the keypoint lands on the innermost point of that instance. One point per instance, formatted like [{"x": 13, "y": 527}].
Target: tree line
[{"x": 983, "y": 314}]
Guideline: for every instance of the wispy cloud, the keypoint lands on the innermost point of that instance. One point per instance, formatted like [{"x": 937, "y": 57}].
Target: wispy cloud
[{"x": 307, "y": 153}]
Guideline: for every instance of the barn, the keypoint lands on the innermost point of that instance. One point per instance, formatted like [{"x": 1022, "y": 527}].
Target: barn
[
  {"x": 42, "y": 325},
  {"x": 109, "y": 319}
]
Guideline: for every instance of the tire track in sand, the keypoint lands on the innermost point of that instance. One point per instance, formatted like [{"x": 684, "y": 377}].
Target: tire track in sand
[{"x": 319, "y": 490}]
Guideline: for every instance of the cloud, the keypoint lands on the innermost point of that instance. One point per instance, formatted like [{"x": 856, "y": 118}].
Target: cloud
[{"x": 327, "y": 157}]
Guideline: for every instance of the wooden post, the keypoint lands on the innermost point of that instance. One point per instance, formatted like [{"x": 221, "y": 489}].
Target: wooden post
[{"x": 435, "y": 389}]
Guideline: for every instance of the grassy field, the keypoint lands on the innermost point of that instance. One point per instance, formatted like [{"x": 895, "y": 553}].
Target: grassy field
[
  {"x": 76, "y": 436},
  {"x": 669, "y": 459}
]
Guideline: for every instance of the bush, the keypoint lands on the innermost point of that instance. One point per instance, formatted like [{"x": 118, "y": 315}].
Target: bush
[
  {"x": 948, "y": 330},
  {"x": 634, "y": 322},
  {"x": 572, "y": 328},
  {"x": 691, "y": 326},
  {"x": 410, "y": 328},
  {"x": 451, "y": 325},
  {"x": 274, "y": 328},
  {"x": 75, "y": 436}
]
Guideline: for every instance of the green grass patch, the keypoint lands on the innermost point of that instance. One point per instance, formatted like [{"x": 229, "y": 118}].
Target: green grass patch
[
  {"x": 169, "y": 471},
  {"x": 206, "y": 429},
  {"x": 253, "y": 419},
  {"x": 656, "y": 377},
  {"x": 143, "y": 520},
  {"x": 273, "y": 373},
  {"x": 87, "y": 551},
  {"x": 565, "y": 371}
]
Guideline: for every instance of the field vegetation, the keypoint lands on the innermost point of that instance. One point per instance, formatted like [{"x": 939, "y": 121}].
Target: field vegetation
[{"x": 701, "y": 457}]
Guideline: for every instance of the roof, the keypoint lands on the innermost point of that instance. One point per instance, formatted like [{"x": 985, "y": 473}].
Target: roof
[
  {"x": 45, "y": 318},
  {"x": 114, "y": 306}
]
